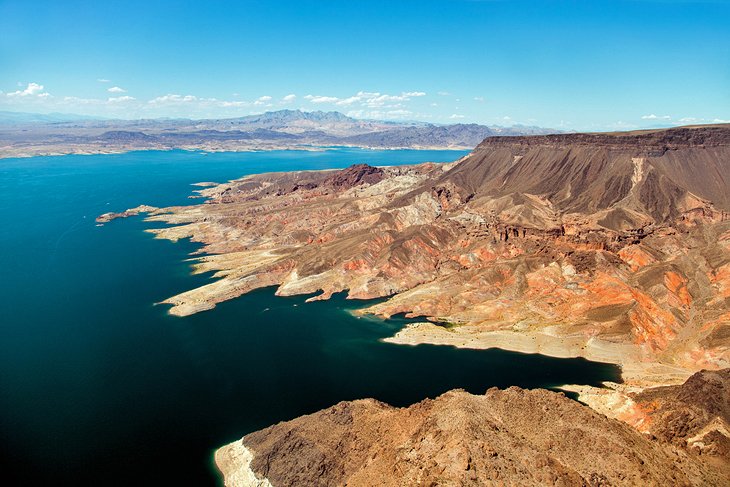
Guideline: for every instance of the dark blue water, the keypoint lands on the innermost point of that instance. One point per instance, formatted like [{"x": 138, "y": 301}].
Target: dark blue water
[{"x": 100, "y": 387}]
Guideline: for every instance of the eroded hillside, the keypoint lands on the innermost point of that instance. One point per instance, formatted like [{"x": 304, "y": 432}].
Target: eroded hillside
[
  {"x": 505, "y": 437},
  {"x": 615, "y": 247}
]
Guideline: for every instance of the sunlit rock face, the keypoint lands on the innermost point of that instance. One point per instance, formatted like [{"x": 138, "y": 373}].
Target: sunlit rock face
[{"x": 504, "y": 437}]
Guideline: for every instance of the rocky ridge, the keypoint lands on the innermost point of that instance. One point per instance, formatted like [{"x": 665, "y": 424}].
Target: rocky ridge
[{"x": 464, "y": 439}]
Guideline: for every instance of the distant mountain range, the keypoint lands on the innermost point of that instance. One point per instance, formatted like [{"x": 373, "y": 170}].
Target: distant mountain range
[
  {"x": 10, "y": 118},
  {"x": 26, "y": 134}
]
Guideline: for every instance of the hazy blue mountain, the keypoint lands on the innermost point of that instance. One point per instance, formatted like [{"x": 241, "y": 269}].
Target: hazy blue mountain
[{"x": 25, "y": 134}]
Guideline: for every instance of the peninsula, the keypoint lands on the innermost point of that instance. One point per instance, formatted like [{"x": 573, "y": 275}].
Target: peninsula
[{"x": 610, "y": 246}]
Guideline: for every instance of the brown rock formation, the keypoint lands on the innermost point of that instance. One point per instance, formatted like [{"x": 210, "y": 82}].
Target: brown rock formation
[
  {"x": 107, "y": 217},
  {"x": 505, "y": 437},
  {"x": 615, "y": 247},
  {"x": 355, "y": 175},
  {"x": 693, "y": 415}
]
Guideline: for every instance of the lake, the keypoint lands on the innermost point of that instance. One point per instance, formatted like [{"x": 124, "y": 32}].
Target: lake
[{"x": 99, "y": 386}]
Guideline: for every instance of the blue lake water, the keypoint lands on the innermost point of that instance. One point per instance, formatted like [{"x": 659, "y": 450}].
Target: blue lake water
[{"x": 98, "y": 386}]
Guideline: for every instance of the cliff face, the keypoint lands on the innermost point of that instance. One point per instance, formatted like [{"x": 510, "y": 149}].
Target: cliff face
[
  {"x": 620, "y": 181},
  {"x": 505, "y": 437},
  {"x": 615, "y": 247}
]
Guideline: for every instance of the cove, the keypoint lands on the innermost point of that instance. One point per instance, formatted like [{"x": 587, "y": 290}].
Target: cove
[{"x": 102, "y": 387}]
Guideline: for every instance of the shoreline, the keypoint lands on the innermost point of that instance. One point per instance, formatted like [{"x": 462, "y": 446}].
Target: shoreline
[
  {"x": 38, "y": 152},
  {"x": 635, "y": 371},
  {"x": 612, "y": 399},
  {"x": 271, "y": 257},
  {"x": 261, "y": 230}
]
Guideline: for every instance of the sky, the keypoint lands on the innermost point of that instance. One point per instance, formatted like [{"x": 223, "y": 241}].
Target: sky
[{"x": 574, "y": 65}]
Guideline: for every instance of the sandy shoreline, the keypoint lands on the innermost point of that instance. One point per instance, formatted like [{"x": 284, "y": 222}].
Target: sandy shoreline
[{"x": 627, "y": 356}]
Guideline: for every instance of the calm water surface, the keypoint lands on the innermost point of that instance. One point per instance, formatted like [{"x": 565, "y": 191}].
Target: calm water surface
[{"x": 98, "y": 386}]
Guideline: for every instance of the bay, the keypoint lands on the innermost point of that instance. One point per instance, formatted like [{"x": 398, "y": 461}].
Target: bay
[{"x": 99, "y": 386}]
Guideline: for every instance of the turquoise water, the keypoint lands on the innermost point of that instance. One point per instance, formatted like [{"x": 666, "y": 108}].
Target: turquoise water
[{"x": 101, "y": 387}]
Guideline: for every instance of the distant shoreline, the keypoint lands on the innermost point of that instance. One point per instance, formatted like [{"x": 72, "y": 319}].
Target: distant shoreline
[{"x": 90, "y": 151}]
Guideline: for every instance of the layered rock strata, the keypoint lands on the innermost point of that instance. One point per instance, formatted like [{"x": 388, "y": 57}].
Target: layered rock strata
[{"x": 615, "y": 247}]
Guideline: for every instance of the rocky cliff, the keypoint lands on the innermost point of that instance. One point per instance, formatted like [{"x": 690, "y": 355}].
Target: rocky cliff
[{"x": 505, "y": 437}]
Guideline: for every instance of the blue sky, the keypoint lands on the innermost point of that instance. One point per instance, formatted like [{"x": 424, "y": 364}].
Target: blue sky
[{"x": 584, "y": 65}]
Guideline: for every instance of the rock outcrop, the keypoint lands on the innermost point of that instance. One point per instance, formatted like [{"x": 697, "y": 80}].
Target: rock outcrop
[
  {"x": 694, "y": 415},
  {"x": 505, "y": 437},
  {"x": 107, "y": 217}
]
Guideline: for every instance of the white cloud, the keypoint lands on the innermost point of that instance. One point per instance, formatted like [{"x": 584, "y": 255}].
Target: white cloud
[
  {"x": 263, "y": 100},
  {"x": 194, "y": 106},
  {"x": 321, "y": 99},
  {"x": 117, "y": 103},
  {"x": 103, "y": 80},
  {"x": 656, "y": 117},
  {"x": 34, "y": 98},
  {"x": 79, "y": 101},
  {"x": 479, "y": 98},
  {"x": 720, "y": 120},
  {"x": 231, "y": 104},
  {"x": 172, "y": 99},
  {"x": 121, "y": 99},
  {"x": 443, "y": 93},
  {"x": 33, "y": 89},
  {"x": 349, "y": 101},
  {"x": 378, "y": 100},
  {"x": 368, "y": 99}
]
